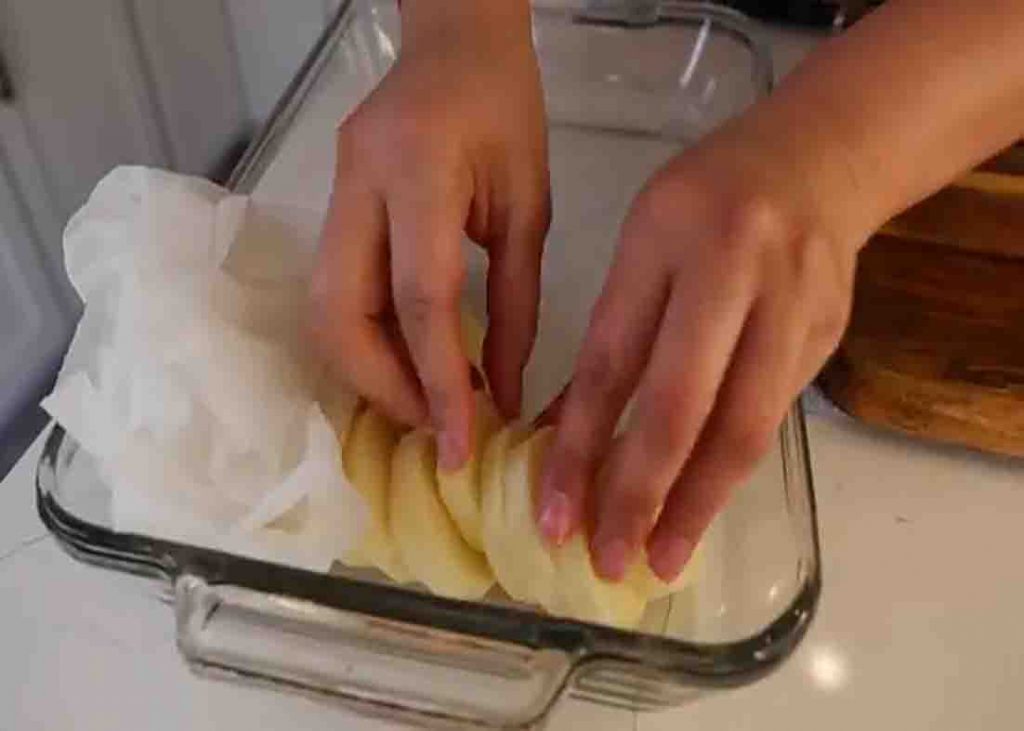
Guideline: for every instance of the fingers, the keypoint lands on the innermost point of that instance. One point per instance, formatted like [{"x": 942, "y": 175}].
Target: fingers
[
  {"x": 758, "y": 389},
  {"x": 617, "y": 343},
  {"x": 698, "y": 334},
  {"x": 349, "y": 294},
  {"x": 513, "y": 293},
  {"x": 427, "y": 274}
]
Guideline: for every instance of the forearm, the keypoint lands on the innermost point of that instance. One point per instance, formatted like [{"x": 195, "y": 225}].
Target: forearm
[{"x": 918, "y": 92}]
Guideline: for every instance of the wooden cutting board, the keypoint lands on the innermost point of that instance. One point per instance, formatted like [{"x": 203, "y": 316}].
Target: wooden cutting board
[{"x": 935, "y": 345}]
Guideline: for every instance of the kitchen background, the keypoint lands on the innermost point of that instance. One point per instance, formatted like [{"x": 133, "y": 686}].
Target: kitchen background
[{"x": 919, "y": 626}]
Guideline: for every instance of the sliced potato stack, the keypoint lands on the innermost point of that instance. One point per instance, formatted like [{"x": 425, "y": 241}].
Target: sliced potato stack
[
  {"x": 458, "y": 533},
  {"x": 367, "y": 456}
]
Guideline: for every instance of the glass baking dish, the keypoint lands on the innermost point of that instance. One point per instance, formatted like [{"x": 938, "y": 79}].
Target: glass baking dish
[{"x": 624, "y": 91}]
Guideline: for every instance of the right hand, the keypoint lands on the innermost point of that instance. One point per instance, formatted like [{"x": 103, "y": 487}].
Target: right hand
[{"x": 452, "y": 141}]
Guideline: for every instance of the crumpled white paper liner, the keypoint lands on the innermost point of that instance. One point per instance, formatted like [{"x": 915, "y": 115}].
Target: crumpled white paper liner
[{"x": 188, "y": 380}]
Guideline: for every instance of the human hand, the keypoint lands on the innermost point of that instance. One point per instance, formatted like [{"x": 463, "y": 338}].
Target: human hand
[
  {"x": 733, "y": 277},
  {"x": 452, "y": 141},
  {"x": 730, "y": 286}
]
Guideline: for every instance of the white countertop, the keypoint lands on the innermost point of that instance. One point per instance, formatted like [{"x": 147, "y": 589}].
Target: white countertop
[{"x": 919, "y": 625}]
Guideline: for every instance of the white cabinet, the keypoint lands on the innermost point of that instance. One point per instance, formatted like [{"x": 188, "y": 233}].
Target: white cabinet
[
  {"x": 34, "y": 315},
  {"x": 95, "y": 84}
]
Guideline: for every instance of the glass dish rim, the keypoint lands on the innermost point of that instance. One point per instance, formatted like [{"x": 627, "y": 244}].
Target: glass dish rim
[
  {"x": 726, "y": 664},
  {"x": 669, "y": 12}
]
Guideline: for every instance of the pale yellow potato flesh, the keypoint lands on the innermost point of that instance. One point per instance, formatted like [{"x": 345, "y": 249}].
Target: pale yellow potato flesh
[
  {"x": 460, "y": 489},
  {"x": 582, "y": 594},
  {"x": 562, "y": 580},
  {"x": 458, "y": 532},
  {"x": 428, "y": 541},
  {"x": 498, "y": 548},
  {"x": 531, "y": 575},
  {"x": 646, "y": 582},
  {"x": 366, "y": 456}
]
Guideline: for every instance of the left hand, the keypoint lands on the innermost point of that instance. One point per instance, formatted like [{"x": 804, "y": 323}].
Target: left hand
[{"x": 731, "y": 285}]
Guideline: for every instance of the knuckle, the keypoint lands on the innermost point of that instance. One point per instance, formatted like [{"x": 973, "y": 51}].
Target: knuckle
[
  {"x": 830, "y": 317},
  {"x": 655, "y": 206},
  {"x": 805, "y": 262},
  {"x": 803, "y": 257},
  {"x": 443, "y": 399},
  {"x": 756, "y": 228},
  {"x": 388, "y": 144},
  {"x": 413, "y": 142},
  {"x": 831, "y": 323},
  {"x": 419, "y": 303},
  {"x": 408, "y": 155},
  {"x": 599, "y": 372},
  {"x": 750, "y": 437},
  {"x": 664, "y": 423},
  {"x": 567, "y": 457},
  {"x": 638, "y": 508},
  {"x": 754, "y": 217}
]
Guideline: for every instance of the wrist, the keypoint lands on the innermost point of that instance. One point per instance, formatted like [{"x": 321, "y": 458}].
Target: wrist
[
  {"x": 810, "y": 169},
  {"x": 453, "y": 25}
]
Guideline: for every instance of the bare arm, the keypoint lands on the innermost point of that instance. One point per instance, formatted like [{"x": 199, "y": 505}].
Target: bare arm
[{"x": 892, "y": 110}]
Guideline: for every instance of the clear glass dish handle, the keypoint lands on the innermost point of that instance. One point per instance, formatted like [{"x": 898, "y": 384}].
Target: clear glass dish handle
[{"x": 385, "y": 667}]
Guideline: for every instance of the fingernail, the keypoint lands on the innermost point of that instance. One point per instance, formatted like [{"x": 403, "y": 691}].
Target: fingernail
[
  {"x": 554, "y": 517},
  {"x": 612, "y": 557},
  {"x": 451, "y": 452},
  {"x": 668, "y": 557}
]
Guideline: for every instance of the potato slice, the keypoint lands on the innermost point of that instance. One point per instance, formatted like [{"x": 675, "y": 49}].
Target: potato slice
[
  {"x": 530, "y": 568},
  {"x": 367, "y": 460},
  {"x": 460, "y": 490},
  {"x": 494, "y": 534},
  {"x": 428, "y": 541},
  {"x": 582, "y": 594},
  {"x": 647, "y": 583}
]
